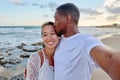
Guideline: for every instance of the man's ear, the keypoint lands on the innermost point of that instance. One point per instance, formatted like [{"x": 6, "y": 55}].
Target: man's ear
[{"x": 69, "y": 18}]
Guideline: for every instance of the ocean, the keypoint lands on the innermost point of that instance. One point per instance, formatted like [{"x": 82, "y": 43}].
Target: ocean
[{"x": 12, "y": 36}]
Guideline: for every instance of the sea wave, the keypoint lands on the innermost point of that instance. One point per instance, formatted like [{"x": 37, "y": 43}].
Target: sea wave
[
  {"x": 31, "y": 27},
  {"x": 7, "y": 30},
  {"x": 4, "y": 31}
]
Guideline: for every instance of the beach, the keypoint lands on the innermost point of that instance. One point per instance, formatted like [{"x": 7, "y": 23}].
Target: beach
[
  {"x": 15, "y": 48},
  {"x": 112, "y": 41}
]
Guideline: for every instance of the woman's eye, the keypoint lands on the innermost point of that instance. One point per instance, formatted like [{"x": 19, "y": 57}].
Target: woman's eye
[
  {"x": 53, "y": 33},
  {"x": 44, "y": 35}
]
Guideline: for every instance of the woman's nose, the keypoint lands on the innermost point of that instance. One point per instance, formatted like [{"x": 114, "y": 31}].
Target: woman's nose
[{"x": 49, "y": 37}]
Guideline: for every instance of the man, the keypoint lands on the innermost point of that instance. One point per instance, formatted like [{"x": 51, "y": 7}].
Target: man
[{"x": 78, "y": 54}]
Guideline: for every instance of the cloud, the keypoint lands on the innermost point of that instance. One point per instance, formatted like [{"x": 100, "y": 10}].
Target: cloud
[
  {"x": 114, "y": 10},
  {"x": 112, "y": 3},
  {"x": 35, "y": 4},
  {"x": 109, "y": 3},
  {"x": 45, "y": 15},
  {"x": 113, "y": 17},
  {"x": 90, "y": 17},
  {"x": 53, "y": 9},
  {"x": 112, "y": 6},
  {"x": 52, "y": 5},
  {"x": 18, "y": 2},
  {"x": 90, "y": 12},
  {"x": 43, "y": 6}
]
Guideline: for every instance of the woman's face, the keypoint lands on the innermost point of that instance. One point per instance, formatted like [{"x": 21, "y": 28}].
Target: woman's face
[{"x": 49, "y": 36}]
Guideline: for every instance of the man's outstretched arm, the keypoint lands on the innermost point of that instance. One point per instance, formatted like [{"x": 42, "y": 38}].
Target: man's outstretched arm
[{"x": 108, "y": 60}]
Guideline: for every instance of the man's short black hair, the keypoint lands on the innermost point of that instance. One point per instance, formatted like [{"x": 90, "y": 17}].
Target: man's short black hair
[{"x": 71, "y": 9}]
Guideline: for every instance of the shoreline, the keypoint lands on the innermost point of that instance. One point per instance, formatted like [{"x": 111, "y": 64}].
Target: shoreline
[{"x": 110, "y": 40}]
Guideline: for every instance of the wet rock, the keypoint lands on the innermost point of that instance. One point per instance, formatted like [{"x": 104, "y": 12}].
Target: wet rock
[
  {"x": 1, "y": 54},
  {"x": 21, "y": 46},
  {"x": 9, "y": 54},
  {"x": 3, "y": 49},
  {"x": 3, "y": 78},
  {"x": 9, "y": 49},
  {"x": 24, "y": 55},
  {"x": 37, "y": 44},
  {"x": 38, "y": 47},
  {"x": 14, "y": 61},
  {"x": 1, "y": 57},
  {"x": 29, "y": 48},
  {"x": 3, "y": 62},
  {"x": 18, "y": 77},
  {"x": 41, "y": 44}
]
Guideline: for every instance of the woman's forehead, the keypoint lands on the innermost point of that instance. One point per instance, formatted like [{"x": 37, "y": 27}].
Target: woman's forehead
[{"x": 48, "y": 28}]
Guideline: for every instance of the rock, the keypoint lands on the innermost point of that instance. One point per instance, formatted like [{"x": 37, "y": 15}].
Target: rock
[
  {"x": 24, "y": 55},
  {"x": 1, "y": 54},
  {"x": 9, "y": 54},
  {"x": 1, "y": 57},
  {"x": 3, "y": 62},
  {"x": 14, "y": 61},
  {"x": 18, "y": 77},
  {"x": 21, "y": 46},
  {"x": 3, "y": 78},
  {"x": 29, "y": 49},
  {"x": 37, "y": 44},
  {"x": 9, "y": 49},
  {"x": 3, "y": 49},
  {"x": 41, "y": 44}
]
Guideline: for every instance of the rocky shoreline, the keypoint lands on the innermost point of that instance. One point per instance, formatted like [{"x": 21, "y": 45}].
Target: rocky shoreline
[{"x": 13, "y": 60}]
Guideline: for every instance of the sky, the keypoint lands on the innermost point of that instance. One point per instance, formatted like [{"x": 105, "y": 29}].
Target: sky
[{"x": 36, "y": 12}]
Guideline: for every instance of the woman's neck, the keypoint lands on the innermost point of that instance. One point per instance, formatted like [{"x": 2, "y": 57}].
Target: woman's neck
[{"x": 49, "y": 52}]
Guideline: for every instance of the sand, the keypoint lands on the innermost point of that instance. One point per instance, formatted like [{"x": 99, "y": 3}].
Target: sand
[
  {"x": 9, "y": 73},
  {"x": 112, "y": 41}
]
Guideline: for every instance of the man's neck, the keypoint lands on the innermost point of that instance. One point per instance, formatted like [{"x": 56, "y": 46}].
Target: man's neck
[{"x": 71, "y": 31}]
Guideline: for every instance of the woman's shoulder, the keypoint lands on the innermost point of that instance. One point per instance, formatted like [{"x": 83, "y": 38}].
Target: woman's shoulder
[
  {"x": 41, "y": 56},
  {"x": 34, "y": 57},
  {"x": 38, "y": 54}
]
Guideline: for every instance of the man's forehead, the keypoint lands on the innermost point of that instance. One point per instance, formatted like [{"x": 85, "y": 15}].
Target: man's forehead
[{"x": 56, "y": 14}]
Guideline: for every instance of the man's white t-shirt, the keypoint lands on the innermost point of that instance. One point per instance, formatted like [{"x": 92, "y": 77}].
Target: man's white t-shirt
[{"x": 72, "y": 57}]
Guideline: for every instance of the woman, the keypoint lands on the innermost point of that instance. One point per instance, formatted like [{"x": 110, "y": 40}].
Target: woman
[{"x": 40, "y": 65}]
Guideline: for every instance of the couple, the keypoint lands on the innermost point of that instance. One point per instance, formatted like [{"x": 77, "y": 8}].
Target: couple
[{"x": 76, "y": 55}]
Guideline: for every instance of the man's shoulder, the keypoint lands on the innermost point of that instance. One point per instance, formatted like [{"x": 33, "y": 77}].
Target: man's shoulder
[{"x": 84, "y": 36}]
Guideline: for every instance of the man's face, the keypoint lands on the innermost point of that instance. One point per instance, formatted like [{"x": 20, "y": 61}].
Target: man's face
[{"x": 59, "y": 23}]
